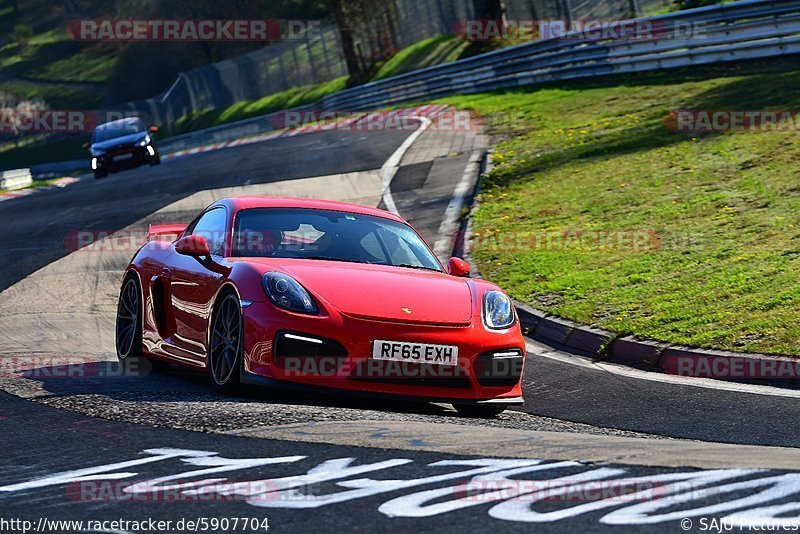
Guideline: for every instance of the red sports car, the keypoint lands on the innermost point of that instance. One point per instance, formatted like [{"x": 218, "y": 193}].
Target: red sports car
[{"x": 321, "y": 295}]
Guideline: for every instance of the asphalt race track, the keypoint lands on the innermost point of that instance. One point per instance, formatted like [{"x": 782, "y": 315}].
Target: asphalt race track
[
  {"x": 76, "y": 444},
  {"x": 679, "y": 408}
]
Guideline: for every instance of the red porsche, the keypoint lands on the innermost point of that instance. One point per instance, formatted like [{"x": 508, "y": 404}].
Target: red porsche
[{"x": 321, "y": 295}]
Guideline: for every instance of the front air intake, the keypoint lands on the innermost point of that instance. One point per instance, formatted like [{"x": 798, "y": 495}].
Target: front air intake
[{"x": 499, "y": 367}]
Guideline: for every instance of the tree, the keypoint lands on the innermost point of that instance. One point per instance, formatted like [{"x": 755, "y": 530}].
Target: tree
[
  {"x": 7, "y": 116},
  {"x": 488, "y": 9},
  {"x": 340, "y": 14}
]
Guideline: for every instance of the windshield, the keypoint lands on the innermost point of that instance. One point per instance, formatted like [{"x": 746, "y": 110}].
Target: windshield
[
  {"x": 104, "y": 132},
  {"x": 329, "y": 235}
]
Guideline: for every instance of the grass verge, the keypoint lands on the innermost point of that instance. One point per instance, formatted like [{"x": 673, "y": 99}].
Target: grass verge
[
  {"x": 54, "y": 56},
  {"x": 587, "y": 160},
  {"x": 253, "y": 108},
  {"x": 433, "y": 51}
]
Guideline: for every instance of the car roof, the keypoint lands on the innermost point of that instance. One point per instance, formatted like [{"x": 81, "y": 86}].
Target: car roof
[{"x": 250, "y": 202}]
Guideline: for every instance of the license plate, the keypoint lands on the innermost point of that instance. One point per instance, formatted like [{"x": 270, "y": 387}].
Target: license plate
[
  {"x": 123, "y": 156},
  {"x": 415, "y": 352}
]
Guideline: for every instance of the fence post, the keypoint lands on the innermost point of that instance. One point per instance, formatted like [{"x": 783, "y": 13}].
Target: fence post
[
  {"x": 312, "y": 69},
  {"x": 566, "y": 11},
  {"x": 325, "y": 58},
  {"x": 282, "y": 67}
]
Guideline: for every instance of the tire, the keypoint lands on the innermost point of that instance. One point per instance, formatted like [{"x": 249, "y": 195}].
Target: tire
[
  {"x": 129, "y": 321},
  {"x": 155, "y": 161},
  {"x": 480, "y": 411},
  {"x": 129, "y": 328},
  {"x": 226, "y": 344},
  {"x": 98, "y": 175}
]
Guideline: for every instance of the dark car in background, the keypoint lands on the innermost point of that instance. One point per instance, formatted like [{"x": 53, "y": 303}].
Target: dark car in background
[{"x": 122, "y": 144}]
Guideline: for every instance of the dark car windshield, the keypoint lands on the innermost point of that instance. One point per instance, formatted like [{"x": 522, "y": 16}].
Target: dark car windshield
[
  {"x": 329, "y": 235},
  {"x": 111, "y": 130}
]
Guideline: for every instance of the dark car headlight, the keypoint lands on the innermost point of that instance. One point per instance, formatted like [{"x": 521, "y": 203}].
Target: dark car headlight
[
  {"x": 498, "y": 311},
  {"x": 285, "y": 292}
]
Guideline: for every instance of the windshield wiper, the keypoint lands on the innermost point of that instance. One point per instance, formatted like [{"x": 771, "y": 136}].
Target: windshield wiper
[
  {"x": 406, "y": 265},
  {"x": 422, "y": 267},
  {"x": 329, "y": 258}
]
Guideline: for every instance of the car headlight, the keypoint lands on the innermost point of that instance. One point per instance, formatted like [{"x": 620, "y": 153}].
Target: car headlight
[
  {"x": 498, "y": 311},
  {"x": 285, "y": 292},
  {"x": 145, "y": 141}
]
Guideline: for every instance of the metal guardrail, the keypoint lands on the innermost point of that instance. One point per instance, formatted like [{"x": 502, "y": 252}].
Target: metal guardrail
[
  {"x": 15, "y": 179},
  {"x": 747, "y": 29}
]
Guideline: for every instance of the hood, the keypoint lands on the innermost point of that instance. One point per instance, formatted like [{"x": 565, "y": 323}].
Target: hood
[
  {"x": 124, "y": 141},
  {"x": 381, "y": 293}
]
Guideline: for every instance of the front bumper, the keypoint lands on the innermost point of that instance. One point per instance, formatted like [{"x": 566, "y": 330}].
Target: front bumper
[
  {"x": 119, "y": 159},
  {"x": 337, "y": 355}
]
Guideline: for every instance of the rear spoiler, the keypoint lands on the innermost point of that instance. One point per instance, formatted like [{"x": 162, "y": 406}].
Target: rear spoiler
[{"x": 162, "y": 231}]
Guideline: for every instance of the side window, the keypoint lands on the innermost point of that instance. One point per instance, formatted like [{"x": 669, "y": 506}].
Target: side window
[{"x": 212, "y": 226}]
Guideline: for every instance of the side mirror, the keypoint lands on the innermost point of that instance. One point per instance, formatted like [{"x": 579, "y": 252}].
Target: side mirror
[
  {"x": 152, "y": 128},
  {"x": 457, "y": 267},
  {"x": 192, "y": 245},
  {"x": 87, "y": 144}
]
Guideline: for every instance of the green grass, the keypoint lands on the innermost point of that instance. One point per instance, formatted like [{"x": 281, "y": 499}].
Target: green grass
[
  {"x": 53, "y": 55},
  {"x": 56, "y": 96},
  {"x": 253, "y": 108},
  {"x": 587, "y": 157},
  {"x": 433, "y": 51}
]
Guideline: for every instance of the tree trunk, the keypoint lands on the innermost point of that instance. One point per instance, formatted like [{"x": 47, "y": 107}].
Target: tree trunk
[
  {"x": 487, "y": 9},
  {"x": 346, "y": 37}
]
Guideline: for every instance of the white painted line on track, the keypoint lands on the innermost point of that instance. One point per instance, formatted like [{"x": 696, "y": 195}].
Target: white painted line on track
[
  {"x": 452, "y": 214},
  {"x": 652, "y": 376},
  {"x": 389, "y": 169}
]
